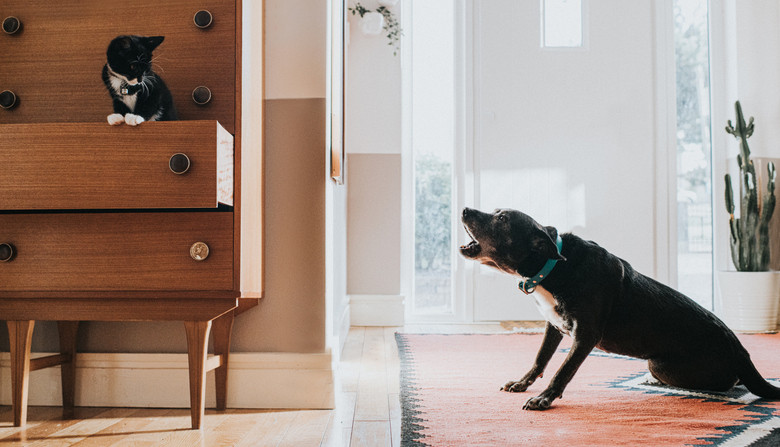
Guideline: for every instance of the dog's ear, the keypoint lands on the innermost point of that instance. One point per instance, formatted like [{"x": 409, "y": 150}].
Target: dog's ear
[{"x": 544, "y": 243}]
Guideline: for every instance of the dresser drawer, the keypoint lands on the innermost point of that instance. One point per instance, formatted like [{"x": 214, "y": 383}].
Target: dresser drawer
[
  {"x": 97, "y": 166},
  {"x": 54, "y": 63},
  {"x": 116, "y": 251}
]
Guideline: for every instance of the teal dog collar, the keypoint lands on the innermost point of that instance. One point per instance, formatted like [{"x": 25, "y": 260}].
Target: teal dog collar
[{"x": 529, "y": 285}]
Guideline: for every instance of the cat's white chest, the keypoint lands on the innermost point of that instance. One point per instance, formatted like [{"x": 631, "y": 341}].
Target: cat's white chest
[
  {"x": 129, "y": 100},
  {"x": 546, "y": 303}
]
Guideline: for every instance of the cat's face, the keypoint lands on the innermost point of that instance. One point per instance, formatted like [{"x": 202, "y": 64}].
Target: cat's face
[{"x": 131, "y": 56}]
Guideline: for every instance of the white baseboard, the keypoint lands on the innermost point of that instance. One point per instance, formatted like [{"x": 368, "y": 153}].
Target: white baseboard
[
  {"x": 345, "y": 322},
  {"x": 377, "y": 310},
  {"x": 255, "y": 380}
]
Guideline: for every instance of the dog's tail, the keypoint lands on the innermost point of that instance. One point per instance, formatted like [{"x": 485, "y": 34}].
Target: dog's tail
[{"x": 753, "y": 380}]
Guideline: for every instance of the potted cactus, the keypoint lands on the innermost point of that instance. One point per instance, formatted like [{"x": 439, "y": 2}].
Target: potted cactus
[{"x": 750, "y": 296}]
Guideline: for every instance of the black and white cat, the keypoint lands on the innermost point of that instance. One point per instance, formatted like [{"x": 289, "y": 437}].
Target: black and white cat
[{"x": 139, "y": 94}]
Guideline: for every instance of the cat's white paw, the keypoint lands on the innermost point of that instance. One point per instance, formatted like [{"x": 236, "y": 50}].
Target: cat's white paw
[
  {"x": 115, "y": 118},
  {"x": 133, "y": 120}
]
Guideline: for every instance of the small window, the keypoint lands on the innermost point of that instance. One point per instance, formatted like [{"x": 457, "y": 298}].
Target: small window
[{"x": 562, "y": 23}]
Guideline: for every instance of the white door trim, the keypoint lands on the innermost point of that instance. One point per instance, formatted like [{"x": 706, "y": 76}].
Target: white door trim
[{"x": 666, "y": 146}]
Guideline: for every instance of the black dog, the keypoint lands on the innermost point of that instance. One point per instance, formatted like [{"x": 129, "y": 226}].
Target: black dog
[{"x": 601, "y": 302}]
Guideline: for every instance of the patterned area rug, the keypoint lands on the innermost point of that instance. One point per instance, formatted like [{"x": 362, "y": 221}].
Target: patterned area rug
[{"x": 450, "y": 396}]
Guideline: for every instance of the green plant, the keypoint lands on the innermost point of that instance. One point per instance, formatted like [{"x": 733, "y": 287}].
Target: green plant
[
  {"x": 391, "y": 27},
  {"x": 433, "y": 213},
  {"x": 750, "y": 232}
]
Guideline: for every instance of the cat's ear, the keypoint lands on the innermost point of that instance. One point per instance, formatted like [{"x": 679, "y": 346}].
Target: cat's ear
[
  {"x": 153, "y": 42},
  {"x": 124, "y": 42}
]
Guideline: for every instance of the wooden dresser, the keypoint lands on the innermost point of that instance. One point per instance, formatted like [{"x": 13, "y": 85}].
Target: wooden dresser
[{"x": 119, "y": 223}]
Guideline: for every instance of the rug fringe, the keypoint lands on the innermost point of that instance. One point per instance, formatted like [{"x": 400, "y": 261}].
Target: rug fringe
[{"x": 411, "y": 422}]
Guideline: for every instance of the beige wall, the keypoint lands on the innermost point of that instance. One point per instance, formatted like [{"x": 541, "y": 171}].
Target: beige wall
[
  {"x": 374, "y": 204},
  {"x": 291, "y": 316}
]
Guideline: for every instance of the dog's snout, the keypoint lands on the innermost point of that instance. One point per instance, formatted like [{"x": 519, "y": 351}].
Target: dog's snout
[{"x": 467, "y": 212}]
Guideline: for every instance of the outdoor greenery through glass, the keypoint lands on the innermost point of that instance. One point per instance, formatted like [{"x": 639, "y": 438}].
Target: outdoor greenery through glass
[
  {"x": 694, "y": 167},
  {"x": 433, "y": 234}
]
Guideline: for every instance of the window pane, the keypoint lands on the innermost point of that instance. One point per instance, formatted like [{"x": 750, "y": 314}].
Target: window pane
[
  {"x": 433, "y": 141},
  {"x": 561, "y": 23},
  {"x": 694, "y": 186}
]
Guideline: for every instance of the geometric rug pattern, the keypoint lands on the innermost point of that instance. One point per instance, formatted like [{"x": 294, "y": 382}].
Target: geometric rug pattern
[{"x": 450, "y": 396}]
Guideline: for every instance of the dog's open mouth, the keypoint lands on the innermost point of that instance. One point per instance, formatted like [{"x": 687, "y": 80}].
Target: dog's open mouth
[{"x": 471, "y": 249}]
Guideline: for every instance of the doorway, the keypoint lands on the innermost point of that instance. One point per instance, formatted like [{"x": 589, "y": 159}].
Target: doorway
[{"x": 575, "y": 128}]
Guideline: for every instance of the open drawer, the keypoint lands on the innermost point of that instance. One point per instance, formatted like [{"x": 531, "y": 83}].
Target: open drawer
[{"x": 175, "y": 164}]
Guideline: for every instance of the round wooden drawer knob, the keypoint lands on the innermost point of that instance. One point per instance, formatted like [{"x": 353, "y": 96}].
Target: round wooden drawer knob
[
  {"x": 201, "y": 95},
  {"x": 7, "y": 99},
  {"x": 203, "y": 19},
  {"x": 199, "y": 251},
  {"x": 11, "y": 25},
  {"x": 6, "y": 252},
  {"x": 179, "y": 163}
]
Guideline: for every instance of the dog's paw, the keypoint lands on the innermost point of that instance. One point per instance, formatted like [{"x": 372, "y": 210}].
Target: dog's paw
[
  {"x": 516, "y": 387},
  {"x": 115, "y": 118},
  {"x": 538, "y": 403},
  {"x": 133, "y": 120}
]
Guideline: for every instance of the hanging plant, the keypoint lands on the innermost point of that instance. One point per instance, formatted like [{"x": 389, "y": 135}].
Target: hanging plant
[{"x": 375, "y": 22}]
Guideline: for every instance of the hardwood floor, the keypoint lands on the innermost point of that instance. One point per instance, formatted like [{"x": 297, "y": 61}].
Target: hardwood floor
[{"x": 367, "y": 412}]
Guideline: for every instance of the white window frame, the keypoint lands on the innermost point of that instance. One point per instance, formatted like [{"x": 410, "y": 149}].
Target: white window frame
[
  {"x": 460, "y": 288},
  {"x": 666, "y": 154}
]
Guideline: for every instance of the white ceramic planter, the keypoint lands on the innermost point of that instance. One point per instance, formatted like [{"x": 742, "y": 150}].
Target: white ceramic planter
[
  {"x": 750, "y": 300},
  {"x": 372, "y": 23}
]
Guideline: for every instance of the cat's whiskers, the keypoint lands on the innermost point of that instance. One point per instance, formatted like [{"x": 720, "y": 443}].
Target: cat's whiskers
[{"x": 155, "y": 64}]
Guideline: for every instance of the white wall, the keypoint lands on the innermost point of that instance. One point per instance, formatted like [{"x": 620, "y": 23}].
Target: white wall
[
  {"x": 758, "y": 72},
  {"x": 373, "y": 91}
]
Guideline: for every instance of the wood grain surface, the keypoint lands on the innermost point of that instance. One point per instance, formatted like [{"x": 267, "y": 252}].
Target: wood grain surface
[
  {"x": 54, "y": 63},
  {"x": 112, "y": 309},
  {"x": 117, "y": 251},
  {"x": 97, "y": 166}
]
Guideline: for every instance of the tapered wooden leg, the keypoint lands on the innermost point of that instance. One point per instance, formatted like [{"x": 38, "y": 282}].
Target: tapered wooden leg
[
  {"x": 68, "y": 334},
  {"x": 197, "y": 345},
  {"x": 20, "y": 338},
  {"x": 222, "y": 329}
]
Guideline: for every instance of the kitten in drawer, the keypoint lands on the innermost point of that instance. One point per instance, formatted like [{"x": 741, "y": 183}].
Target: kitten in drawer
[{"x": 139, "y": 94}]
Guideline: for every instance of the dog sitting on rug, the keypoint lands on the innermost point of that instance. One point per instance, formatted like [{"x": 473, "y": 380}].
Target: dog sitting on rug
[{"x": 602, "y": 302}]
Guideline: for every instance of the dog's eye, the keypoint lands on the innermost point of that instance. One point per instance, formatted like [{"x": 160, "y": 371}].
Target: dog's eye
[{"x": 501, "y": 218}]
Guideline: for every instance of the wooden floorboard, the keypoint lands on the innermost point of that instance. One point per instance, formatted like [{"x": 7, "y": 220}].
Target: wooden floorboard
[{"x": 367, "y": 413}]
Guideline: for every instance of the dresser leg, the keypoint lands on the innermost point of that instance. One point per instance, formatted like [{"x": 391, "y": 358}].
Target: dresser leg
[
  {"x": 197, "y": 345},
  {"x": 222, "y": 329},
  {"x": 20, "y": 338},
  {"x": 68, "y": 337}
]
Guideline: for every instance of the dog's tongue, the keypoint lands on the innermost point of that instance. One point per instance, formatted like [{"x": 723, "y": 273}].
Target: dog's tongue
[{"x": 471, "y": 249}]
